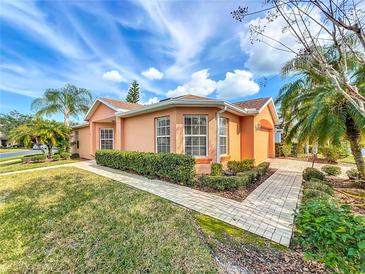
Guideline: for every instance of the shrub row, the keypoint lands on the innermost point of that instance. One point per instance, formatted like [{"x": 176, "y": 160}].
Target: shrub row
[
  {"x": 329, "y": 232},
  {"x": 240, "y": 166},
  {"x": 216, "y": 169},
  {"x": 233, "y": 182},
  {"x": 34, "y": 158},
  {"x": 177, "y": 168}
]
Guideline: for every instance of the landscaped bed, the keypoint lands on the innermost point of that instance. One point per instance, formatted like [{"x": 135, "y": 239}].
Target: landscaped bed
[
  {"x": 328, "y": 228},
  {"x": 234, "y": 182}
]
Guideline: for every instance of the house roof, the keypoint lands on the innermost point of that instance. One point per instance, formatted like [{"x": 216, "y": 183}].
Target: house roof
[
  {"x": 124, "y": 109},
  {"x": 257, "y": 104},
  {"x": 122, "y": 104}
]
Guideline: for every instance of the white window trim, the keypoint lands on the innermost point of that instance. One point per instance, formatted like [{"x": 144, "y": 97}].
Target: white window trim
[
  {"x": 108, "y": 139},
  {"x": 190, "y": 135},
  {"x": 226, "y": 136},
  {"x": 162, "y": 136}
]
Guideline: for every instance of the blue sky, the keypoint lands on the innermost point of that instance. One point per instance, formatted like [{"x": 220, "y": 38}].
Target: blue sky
[{"x": 169, "y": 47}]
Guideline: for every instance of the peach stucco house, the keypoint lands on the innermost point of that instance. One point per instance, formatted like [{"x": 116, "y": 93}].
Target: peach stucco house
[{"x": 210, "y": 130}]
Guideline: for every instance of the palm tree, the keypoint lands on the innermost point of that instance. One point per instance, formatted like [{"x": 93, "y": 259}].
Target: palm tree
[
  {"x": 37, "y": 132},
  {"x": 315, "y": 112},
  {"x": 69, "y": 100}
]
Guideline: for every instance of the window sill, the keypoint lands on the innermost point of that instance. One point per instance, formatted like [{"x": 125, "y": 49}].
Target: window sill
[{"x": 203, "y": 160}]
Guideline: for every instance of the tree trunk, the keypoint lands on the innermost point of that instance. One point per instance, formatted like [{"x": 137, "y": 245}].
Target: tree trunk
[
  {"x": 66, "y": 118},
  {"x": 49, "y": 151},
  {"x": 353, "y": 135}
]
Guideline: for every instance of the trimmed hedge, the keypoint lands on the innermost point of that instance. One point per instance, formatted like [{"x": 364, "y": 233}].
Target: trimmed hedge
[
  {"x": 233, "y": 182},
  {"x": 224, "y": 182},
  {"x": 331, "y": 170},
  {"x": 34, "y": 158},
  {"x": 56, "y": 157},
  {"x": 240, "y": 166},
  {"x": 311, "y": 172},
  {"x": 65, "y": 155},
  {"x": 216, "y": 169},
  {"x": 177, "y": 168}
]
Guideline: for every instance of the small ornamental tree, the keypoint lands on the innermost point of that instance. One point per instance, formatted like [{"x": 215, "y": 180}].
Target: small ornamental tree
[
  {"x": 133, "y": 93},
  {"x": 39, "y": 132}
]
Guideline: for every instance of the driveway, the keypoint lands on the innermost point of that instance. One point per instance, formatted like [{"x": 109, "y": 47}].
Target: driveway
[
  {"x": 19, "y": 153},
  {"x": 299, "y": 166}
]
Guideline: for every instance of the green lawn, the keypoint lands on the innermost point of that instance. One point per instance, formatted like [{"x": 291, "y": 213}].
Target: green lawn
[
  {"x": 348, "y": 160},
  {"x": 5, "y": 150},
  {"x": 69, "y": 220},
  {"x": 16, "y": 165}
]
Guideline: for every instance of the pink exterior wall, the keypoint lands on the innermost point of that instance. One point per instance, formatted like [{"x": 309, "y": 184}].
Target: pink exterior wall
[{"x": 245, "y": 139}]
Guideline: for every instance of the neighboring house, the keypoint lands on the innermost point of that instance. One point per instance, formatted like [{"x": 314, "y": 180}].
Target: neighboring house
[{"x": 185, "y": 124}]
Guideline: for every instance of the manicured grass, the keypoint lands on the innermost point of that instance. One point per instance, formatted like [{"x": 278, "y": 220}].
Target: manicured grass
[
  {"x": 10, "y": 162},
  {"x": 5, "y": 150},
  {"x": 20, "y": 166},
  {"x": 69, "y": 220},
  {"x": 219, "y": 230},
  {"x": 348, "y": 160}
]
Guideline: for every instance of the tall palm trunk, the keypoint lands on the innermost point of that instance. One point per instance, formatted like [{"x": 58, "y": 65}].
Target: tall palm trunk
[
  {"x": 353, "y": 135},
  {"x": 66, "y": 118}
]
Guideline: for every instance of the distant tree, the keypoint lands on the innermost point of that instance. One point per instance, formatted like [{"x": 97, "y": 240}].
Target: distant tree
[
  {"x": 69, "y": 100},
  {"x": 39, "y": 132},
  {"x": 133, "y": 93},
  {"x": 12, "y": 120}
]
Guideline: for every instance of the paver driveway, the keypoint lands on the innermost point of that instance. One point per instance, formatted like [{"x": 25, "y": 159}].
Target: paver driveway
[{"x": 267, "y": 211}]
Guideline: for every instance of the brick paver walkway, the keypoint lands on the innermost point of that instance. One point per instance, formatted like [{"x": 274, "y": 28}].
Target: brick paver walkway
[{"x": 267, "y": 211}]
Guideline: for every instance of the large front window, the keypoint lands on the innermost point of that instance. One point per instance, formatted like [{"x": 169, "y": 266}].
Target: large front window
[
  {"x": 196, "y": 135},
  {"x": 223, "y": 133},
  {"x": 106, "y": 138},
  {"x": 163, "y": 134}
]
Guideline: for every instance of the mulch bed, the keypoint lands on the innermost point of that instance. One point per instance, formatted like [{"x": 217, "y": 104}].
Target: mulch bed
[
  {"x": 248, "y": 258},
  {"x": 308, "y": 159},
  {"x": 241, "y": 193}
]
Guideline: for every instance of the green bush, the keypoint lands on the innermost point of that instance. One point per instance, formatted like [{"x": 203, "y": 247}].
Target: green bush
[
  {"x": 65, "y": 155},
  {"x": 310, "y": 193},
  {"x": 331, "y": 170},
  {"x": 56, "y": 157},
  {"x": 75, "y": 156},
  {"x": 286, "y": 149},
  {"x": 333, "y": 153},
  {"x": 263, "y": 167},
  {"x": 353, "y": 174},
  {"x": 240, "y": 166},
  {"x": 177, "y": 168},
  {"x": 319, "y": 185},
  {"x": 39, "y": 158},
  {"x": 224, "y": 182},
  {"x": 216, "y": 169},
  {"x": 311, "y": 172},
  {"x": 331, "y": 234}
]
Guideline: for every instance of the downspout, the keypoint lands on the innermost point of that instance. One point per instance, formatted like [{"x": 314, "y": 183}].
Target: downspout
[{"x": 217, "y": 116}]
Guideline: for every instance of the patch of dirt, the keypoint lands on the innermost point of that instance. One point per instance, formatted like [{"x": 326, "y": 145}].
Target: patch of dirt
[
  {"x": 248, "y": 258},
  {"x": 241, "y": 193}
]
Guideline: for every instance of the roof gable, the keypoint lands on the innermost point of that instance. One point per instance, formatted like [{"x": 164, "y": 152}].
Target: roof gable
[
  {"x": 257, "y": 104},
  {"x": 121, "y": 104}
]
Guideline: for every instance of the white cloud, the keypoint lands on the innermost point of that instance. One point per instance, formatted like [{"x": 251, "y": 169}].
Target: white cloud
[
  {"x": 265, "y": 58},
  {"x": 153, "y": 74},
  {"x": 200, "y": 84},
  {"x": 237, "y": 84},
  {"x": 113, "y": 76},
  {"x": 150, "y": 101}
]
